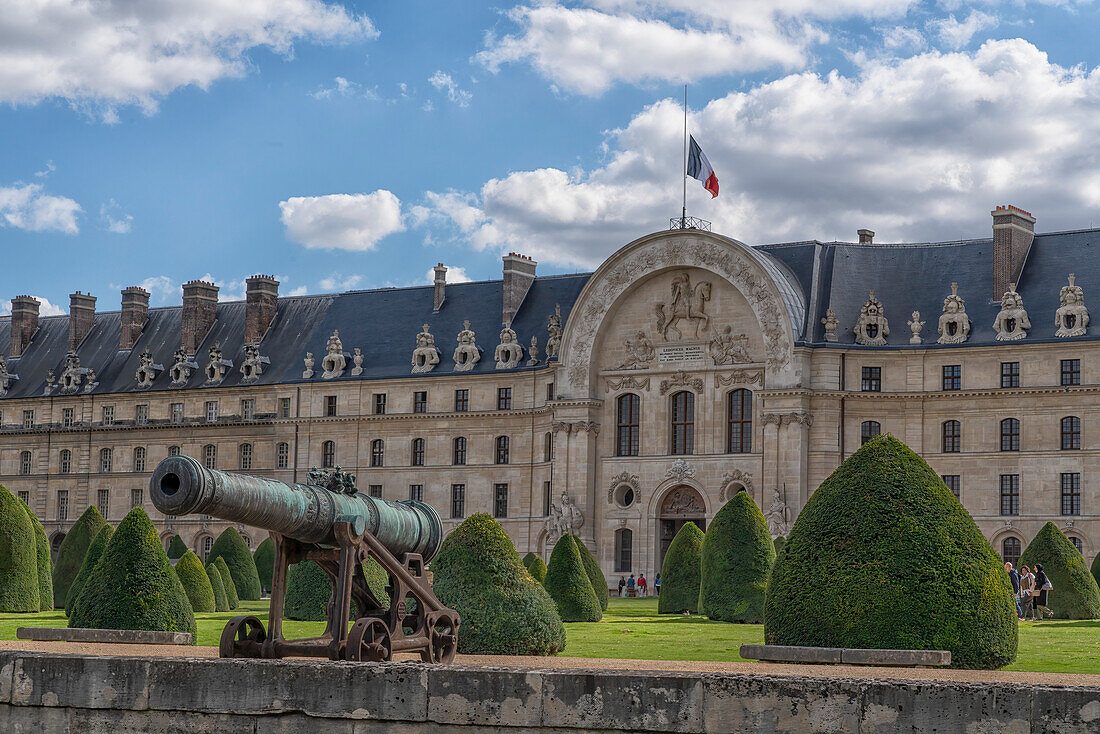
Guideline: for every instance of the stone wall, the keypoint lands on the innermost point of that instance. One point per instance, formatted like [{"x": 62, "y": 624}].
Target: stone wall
[{"x": 120, "y": 695}]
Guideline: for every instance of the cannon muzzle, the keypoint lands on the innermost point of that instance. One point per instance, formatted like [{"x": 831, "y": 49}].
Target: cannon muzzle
[{"x": 305, "y": 512}]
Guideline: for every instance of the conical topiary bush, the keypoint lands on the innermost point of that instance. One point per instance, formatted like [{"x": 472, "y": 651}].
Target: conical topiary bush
[
  {"x": 779, "y": 543},
  {"x": 70, "y": 556},
  {"x": 1075, "y": 594},
  {"x": 568, "y": 584},
  {"x": 176, "y": 548},
  {"x": 680, "y": 573},
  {"x": 504, "y": 610},
  {"x": 231, "y": 546},
  {"x": 231, "y": 597},
  {"x": 1096, "y": 568},
  {"x": 18, "y": 558},
  {"x": 264, "y": 558},
  {"x": 43, "y": 562},
  {"x": 221, "y": 601},
  {"x": 91, "y": 558},
  {"x": 884, "y": 556},
  {"x": 308, "y": 589},
  {"x": 535, "y": 567},
  {"x": 133, "y": 586},
  {"x": 595, "y": 575},
  {"x": 737, "y": 559},
  {"x": 196, "y": 584}
]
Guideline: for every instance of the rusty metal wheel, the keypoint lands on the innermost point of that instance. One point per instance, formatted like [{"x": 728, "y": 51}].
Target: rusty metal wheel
[
  {"x": 442, "y": 637},
  {"x": 368, "y": 640},
  {"x": 242, "y": 638}
]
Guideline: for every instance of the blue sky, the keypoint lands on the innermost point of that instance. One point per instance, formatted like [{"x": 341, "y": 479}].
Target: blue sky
[{"x": 355, "y": 145}]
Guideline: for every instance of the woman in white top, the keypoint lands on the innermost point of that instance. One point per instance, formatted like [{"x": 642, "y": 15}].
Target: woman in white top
[{"x": 1027, "y": 581}]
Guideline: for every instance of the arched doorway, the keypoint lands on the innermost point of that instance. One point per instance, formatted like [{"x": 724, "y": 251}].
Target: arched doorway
[
  {"x": 681, "y": 504},
  {"x": 55, "y": 543}
]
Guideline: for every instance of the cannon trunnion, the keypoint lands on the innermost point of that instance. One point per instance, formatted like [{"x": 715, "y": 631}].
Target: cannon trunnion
[{"x": 328, "y": 522}]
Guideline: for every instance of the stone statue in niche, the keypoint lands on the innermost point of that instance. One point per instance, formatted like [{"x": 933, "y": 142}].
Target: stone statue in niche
[
  {"x": 467, "y": 353},
  {"x": 954, "y": 324},
  {"x": 686, "y": 303},
  {"x": 553, "y": 328},
  {"x": 147, "y": 371},
  {"x": 253, "y": 365},
  {"x": 357, "y": 360},
  {"x": 425, "y": 357},
  {"x": 334, "y": 360},
  {"x": 1012, "y": 322},
  {"x": 1071, "y": 318},
  {"x": 778, "y": 515},
  {"x": 181, "y": 369},
  {"x": 216, "y": 367},
  {"x": 564, "y": 518},
  {"x": 6, "y": 378},
  {"x": 639, "y": 352},
  {"x": 915, "y": 325},
  {"x": 73, "y": 374},
  {"x": 725, "y": 348},
  {"x": 308, "y": 362},
  {"x": 872, "y": 328},
  {"x": 533, "y": 351},
  {"x": 830, "y": 322},
  {"x": 508, "y": 353}
]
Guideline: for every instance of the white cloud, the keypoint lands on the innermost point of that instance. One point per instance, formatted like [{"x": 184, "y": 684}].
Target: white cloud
[
  {"x": 901, "y": 38},
  {"x": 162, "y": 289},
  {"x": 955, "y": 34},
  {"x": 50, "y": 168},
  {"x": 26, "y": 206},
  {"x": 98, "y": 55},
  {"x": 114, "y": 219},
  {"x": 455, "y": 274},
  {"x": 444, "y": 83},
  {"x": 45, "y": 308},
  {"x": 341, "y": 88},
  {"x": 336, "y": 282},
  {"x": 299, "y": 291},
  {"x": 917, "y": 149},
  {"x": 342, "y": 221}
]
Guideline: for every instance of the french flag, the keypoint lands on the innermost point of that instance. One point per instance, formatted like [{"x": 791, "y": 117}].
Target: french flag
[{"x": 699, "y": 168}]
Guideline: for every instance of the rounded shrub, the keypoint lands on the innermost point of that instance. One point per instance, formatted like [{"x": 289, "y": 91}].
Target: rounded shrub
[
  {"x": 504, "y": 610},
  {"x": 70, "y": 556},
  {"x": 737, "y": 559},
  {"x": 264, "y": 558},
  {"x": 309, "y": 588},
  {"x": 1096, "y": 568},
  {"x": 231, "y": 546},
  {"x": 91, "y": 558},
  {"x": 1075, "y": 594},
  {"x": 568, "y": 584},
  {"x": 43, "y": 562},
  {"x": 221, "y": 601},
  {"x": 231, "y": 597},
  {"x": 535, "y": 567},
  {"x": 595, "y": 575},
  {"x": 680, "y": 572},
  {"x": 883, "y": 556},
  {"x": 176, "y": 548},
  {"x": 196, "y": 584},
  {"x": 18, "y": 558},
  {"x": 133, "y": 586}
]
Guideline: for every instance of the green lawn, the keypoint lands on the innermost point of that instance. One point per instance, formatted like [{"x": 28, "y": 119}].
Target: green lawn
[{"x": 632, "y": 629}]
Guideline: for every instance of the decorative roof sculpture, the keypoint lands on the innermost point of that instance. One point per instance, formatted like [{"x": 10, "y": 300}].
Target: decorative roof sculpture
[
  {"x": 425, "y": 357},
  {"x": 335, "y": 360},
  {"x": 508, "y": 353},
  {"x": 871, "y": 327},
  {"x": 181, "y": 368},
  {"x": 6, "y": 378},
  {"x": 467, "y": 353},
  {"x": 1012, "y": 322},
  {"x": 253, "y": 365},
  {"x": 830, "y": 322},
  {"x": 554, "y": 329},
  {"x": 217, "y": 367},
  {"x": 1071, "y": 318},
  {"x": 147, "y": 371},
  {"x": 954, "y": 324},
  {"x": 915, "y": 325}
]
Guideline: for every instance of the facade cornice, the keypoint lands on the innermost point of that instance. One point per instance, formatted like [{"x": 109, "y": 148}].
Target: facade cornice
[{"x": 955, "y": 394}]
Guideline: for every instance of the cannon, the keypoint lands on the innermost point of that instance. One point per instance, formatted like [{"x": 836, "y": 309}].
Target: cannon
[{"x": 326, "y": 521}]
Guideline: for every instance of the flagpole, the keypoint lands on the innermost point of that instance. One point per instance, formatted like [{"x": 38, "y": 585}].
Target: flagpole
[{"x": 683, "y": 211}]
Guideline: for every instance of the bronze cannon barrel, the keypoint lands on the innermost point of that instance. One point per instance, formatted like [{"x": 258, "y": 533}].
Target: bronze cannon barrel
[{"x": 182, "y": 486}]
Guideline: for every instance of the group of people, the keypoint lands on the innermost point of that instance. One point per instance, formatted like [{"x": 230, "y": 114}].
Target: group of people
[
  {"x": 639, "y": 586},
  {"x": 1031, "y": 590}
]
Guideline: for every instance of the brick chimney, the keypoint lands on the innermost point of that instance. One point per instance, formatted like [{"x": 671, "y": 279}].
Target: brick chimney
[
  {"x": 200, "y": 309},
  {"x": 135, "y": 312},
  {"x": 81, "y": 317},
  {"x": 262, "y": 298},
  {"x": 519, "y": 274},
  {"x": 866, "y": 236},
  {"x": 24, "y": 322},
  {"x": 440, "y": 285},
  {"x": 1013, "y": 232}
]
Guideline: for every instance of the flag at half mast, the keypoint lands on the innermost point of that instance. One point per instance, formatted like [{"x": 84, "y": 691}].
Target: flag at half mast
[{"x": 699, "y": 168}]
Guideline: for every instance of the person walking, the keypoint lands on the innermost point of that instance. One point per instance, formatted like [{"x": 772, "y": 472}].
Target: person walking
[
  {"x": 1039, "y": 597},
  {"x": 630, "y": 585},
  {"x": 657, "y": 584},
  {"x": 643, "y": 585},
  {"x": 1027, "y": 580},
  {"x": 1014, "y": 577},
  {"x": 622, "y": 583}
]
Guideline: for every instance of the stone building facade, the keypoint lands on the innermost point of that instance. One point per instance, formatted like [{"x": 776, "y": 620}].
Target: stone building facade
[{"x": 617, "y": 404}]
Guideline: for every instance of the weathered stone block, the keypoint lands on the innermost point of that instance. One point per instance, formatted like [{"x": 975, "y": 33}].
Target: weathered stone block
[
  {"x": 1064, "y": 710},
  {"x": 791, "y": 654},
  {"x": 121, "y": 637},
  {"x": 593, "y": 699},
  {"x": 7, "y": 668},
  {"x": 87, "y": 721},
  {"x": 907, "y": 658},
  {"x": 780, "y": 705},
  {"x": 485, "y": 696},
  {"x": 33, "y": 719},
  {"x": 81, "y": 681},
  {"x": 927, "y": 708}
]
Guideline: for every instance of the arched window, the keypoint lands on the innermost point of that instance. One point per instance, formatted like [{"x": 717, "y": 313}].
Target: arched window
[
  {"x": 624, "y": 542},
  {"x": 210, "y": 456},
  {"x": 1010, "y": 434},
  {"x": 739, "y": 422},
  {"x": 1071, "y": 433},
  {"x": 106, "y": 460},
  {"x": 1077, "y": 544},
  {"x": 282, "y": 453},
  {"x": 683, "y": 423},
  {"x": 173, "y": 450},
  {"x": 244, "y": 456},
  {"x": 25, "y": 462},
  {"x": 868, "y": 430},
  {"x": 952, "y": 437},
  {"x": 548, "y": 446},
  {"x": 247, "y": 540},
  {"x": 502, "y": 450},
  {"x": 459, "y": 458},
  {"x": 627, "y": 419},
  {"x": 205, "y": 545},
  {"x": 65, "y": 463},
  {"x": 1010, "y": 550},
  {"x": 377, "y": 452},
  {"x": 328, "y": 455},
  {"x": 418, "y": 452},
  {"x": 139, "y": 459}
]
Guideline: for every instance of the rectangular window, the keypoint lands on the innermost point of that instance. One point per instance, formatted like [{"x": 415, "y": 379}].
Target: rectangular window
[
  {"x": 549, "y": 391},
  {"x": 379, "y": 404},
  {"x": 546, "y": 498},
  {"x": 67, "y": 418},
  {"x": 248, "y": 408},
  {"x": 462, "y": 401},
  {"x": 283, "y": 453},
  {"x": 330, "y": 405},
  {"x": 1071, "y": 494},
  {"x": 500, "y": 500},
  {"x": 418, "y": 452},
  {"x": 141, "y": 414},
  {"x": 627, "y": 424},
  {"x": 173, "y": 450},
  {"x": 103, "y": 502},
  {"x": 502, "y": 450},
  {"x": 504, "y": 398},
  {"x": 28, "y": 419},
  {"x": 624, "y": 551},
  {"x": 1010, "y": 374},
  {"x": 952, "y": 377},
  {"x": 375, "y": 491},
  {"x": 137, "y": 498},
  {"x": 62, "y": 505},
  {"x": 108, "y": 415},
  {"x": 420, "y": 401},
  {"x": 1071, "y": 372},
  {"x": 25, "y": 462},
  {"x": 211, "y": 411},
  {"x": 416, "y": 492},
  {"x": 953, "y": 483},
  {"x": 871, "y": 380},
  {"x": 284, "y": 407},
  {"x": 458, "y": 501},
  {"x": 25, "y": 497},
  {"x": 245, "y": 456},
  {"x": 1010, "y": 494},
  {"x": 177, "y": 412}
]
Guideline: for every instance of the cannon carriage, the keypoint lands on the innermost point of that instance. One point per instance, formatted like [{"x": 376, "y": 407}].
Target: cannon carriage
[{"x": 326, "y": 521}]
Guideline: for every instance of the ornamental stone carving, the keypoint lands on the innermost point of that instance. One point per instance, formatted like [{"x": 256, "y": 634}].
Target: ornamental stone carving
[
  {"x": 915, "y": 325},
  {"x": 565, "y": 517},
  {"x": 680, "y": 378},
  {"x": 871, "y": 327},
  {"x": 253, "y": 365},
  {"x": 6, "y": 378},
  {"x": 685, "y": 303},
  {"x": 467, "y": 353},
  {"x": 783, "y": 419},
  {"x": 778, "y": 514},
  {"x": 181, "y": 369},
  {"x": 91, "y": 382},
  {"x": 1071, "y": 318},
  {"x": 740, "y": 377},
  {"x": 734, "y": 478},
  {"x": 334, "y": 361},
  {"x": 1012, "y": 322},
  {"x": 533, "y": 352},
  {"x": 553, "y": 329},
  {"x": 216, "y": 367},
  {"x": 147, "y": 371},
  {"x": 684, "y": 502},
  {"x": 627, "y": 383},
  {"x": 425, "y": 357},
  {"x": 639, "y": 352},
  {"x": 725, "y": 348},
  {"x": 73, "y": 375},
  {"x": 357, "y": 360},
  {"x": 308, "y": 362},
  {"x": 680, "y": 470},
  {"x": 831, "y": 322},
  {"x": 623, "y": 477},
  {"x": 576, "y": 427},
  {"x": 954, "y": 324},
  {"x": 508, "y": 353}
]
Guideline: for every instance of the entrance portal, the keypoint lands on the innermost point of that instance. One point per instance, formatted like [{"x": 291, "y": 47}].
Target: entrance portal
[{"x": 682, "y": 504}]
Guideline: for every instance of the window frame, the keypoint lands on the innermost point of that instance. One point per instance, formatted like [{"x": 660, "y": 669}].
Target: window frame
[
  {"x": 1012, "y": 557},
  {"x": 417, "y": 452},
  {"x": 1071, "y": 372},
  {"x": 245, "y": 453},
  {"x": 331, "y": 406},
  {"x": 1010, "y": 495},
  {"x": 108, "y": 415},
  {"x": 870, "y": 378},
  {"x": 504, "y": 398},
  {"x": 458, "y": 451},
  {"x": 951, "y": 437},
  {"x": 65, "y": 462},
  {"x": 502, "y": 446},
  {"x": 458, "y": 501},
  {"x": 741, "y": 443},
  {"x": 141, "y": 455},
  {"x": 462, "y": 400},
  {"x": 420, "y": 401},
  {"x": 377, "y": 453},
  {"x": 211, "y": 411},
  {"x": 500, "y": 500},
  {"x": 26, "y": 462},
  {"x": 1070, "y": 484},
  {"x": 952, "y": 377},
  {"x": 282, "y": 455},
  {"x": 210, "y": 456},
  {"x": 624, "y": 550},
  {"x": 106, "y": 460},
  {"x": 1010, "y": 375},
  {"x": 954, "y": 483},
  {"x": 868, "y": 430},
  {"x": 682, "y": 423},
  {"x": 379, "y": 403},
  {"x": 175, "y": 413},
  {"x": 1010, "y": 434},
  {"x": 328, "y": 454},
  {"x": 628, "y": 424},
  {"x": 1071, "y": 433},
  {"x": 141, "y": 414},
  {"x": 416, "y": 492}
]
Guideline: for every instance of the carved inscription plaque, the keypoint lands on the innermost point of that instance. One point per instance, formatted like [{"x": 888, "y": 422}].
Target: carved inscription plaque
[{"x": 680, "y": 353}]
